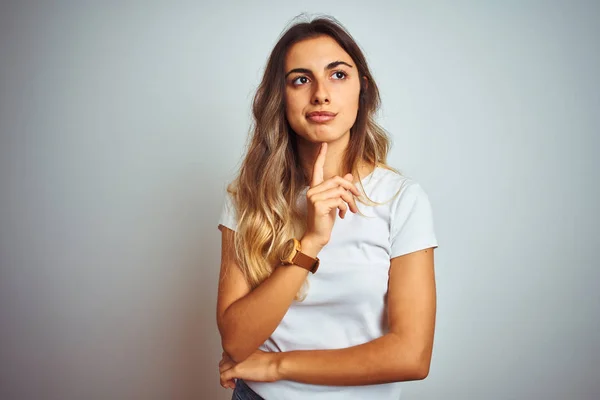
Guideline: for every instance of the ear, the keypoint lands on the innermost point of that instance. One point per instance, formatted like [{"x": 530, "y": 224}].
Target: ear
[{"x": 365, "y": 82}]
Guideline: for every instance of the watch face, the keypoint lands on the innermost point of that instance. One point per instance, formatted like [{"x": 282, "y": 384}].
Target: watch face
[{"x": 288, "y": 251}]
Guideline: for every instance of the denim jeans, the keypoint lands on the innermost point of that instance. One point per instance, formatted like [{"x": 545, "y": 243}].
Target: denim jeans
[{"x": 243, "y": 392}]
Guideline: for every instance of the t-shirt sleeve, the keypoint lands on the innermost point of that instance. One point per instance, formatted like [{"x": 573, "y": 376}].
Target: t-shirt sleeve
[
  {"x": 412, "y": 226},
  {"x": 228, "y": 214}
]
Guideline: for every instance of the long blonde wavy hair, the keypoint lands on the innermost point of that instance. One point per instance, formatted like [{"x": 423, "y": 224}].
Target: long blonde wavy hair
[{"x": 271, "y": 178}]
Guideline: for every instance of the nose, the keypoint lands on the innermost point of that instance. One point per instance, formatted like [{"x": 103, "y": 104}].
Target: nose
[{"x": 320, "y": 95}]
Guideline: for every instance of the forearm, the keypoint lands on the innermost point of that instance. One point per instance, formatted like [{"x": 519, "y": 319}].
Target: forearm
[
  {"x": 383, "y": 360},
  {"x": 248, "y": 322},
  {"x": 251, "y": 320}
]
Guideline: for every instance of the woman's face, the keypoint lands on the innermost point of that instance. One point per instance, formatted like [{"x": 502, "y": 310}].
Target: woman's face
[{"x": 321, "y": 76}]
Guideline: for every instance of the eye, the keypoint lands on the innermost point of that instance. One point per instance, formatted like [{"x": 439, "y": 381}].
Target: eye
[
  {"x": 340, "y": 75},
  {"x": 302, "y": 79}
]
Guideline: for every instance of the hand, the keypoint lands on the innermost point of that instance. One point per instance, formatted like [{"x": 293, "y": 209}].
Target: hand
[
  {"x": 260, "y": 366},
  {"x": 324, "y": 198},
  {"x": 225, "y": 363}
]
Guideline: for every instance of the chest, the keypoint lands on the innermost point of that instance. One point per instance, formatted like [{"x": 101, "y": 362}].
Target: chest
[{"x": 354, "y": 264}]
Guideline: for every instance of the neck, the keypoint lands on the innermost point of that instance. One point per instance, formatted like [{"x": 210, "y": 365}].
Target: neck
[{"x": 308, "y": 152}]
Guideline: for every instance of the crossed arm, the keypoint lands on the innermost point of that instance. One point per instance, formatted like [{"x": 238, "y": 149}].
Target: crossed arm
[{"x": 402, "y": 354}]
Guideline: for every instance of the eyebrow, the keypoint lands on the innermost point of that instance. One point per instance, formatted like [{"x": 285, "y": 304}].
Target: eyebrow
[{"x": 329, "y": 66}]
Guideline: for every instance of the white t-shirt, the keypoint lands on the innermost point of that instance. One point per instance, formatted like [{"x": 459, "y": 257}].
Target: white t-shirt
[{"x": 345, "y": 304}]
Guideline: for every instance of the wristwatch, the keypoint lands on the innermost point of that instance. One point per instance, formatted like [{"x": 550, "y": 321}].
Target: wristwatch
[{"x": 292, "y": 254}]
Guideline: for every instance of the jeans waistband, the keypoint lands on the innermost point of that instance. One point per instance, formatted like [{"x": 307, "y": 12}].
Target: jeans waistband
[{"x": 243, "y": 392}]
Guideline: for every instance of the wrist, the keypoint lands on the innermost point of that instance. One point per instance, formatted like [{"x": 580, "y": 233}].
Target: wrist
[
  {"x": 310, "y": 247},
  {"x": 279, "y": 362}
]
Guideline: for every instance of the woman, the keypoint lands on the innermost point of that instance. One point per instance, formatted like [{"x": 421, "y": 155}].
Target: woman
[{"x": 311, "y": 305}]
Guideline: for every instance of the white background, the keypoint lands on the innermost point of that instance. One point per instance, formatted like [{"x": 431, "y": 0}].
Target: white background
[{"x": 122, "y": 122}]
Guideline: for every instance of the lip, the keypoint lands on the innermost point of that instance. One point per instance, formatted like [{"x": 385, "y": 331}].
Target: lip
[{"x": 320, "y": 116}]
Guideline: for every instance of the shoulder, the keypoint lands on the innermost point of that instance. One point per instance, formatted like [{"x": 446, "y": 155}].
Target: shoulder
[
  {"x": 411, "y": 216},
  {"x": 387, "y": 184},
  {"x": 401, "y": 195},
  {"x": 229, "y": 214}
]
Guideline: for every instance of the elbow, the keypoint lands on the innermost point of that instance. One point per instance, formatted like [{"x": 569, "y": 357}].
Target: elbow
[
  {"x": 229, "y": 343},
  {"x": 230, "y": 349},
  {"x": 415, "y": 361},
  {"x": 236, "y": 353},
  {"x": 413, "y": 365},
  {"x": 412, "y": 371},
  {"x": 237, "y": 346},
  {"x": 421, "y": 365},
  {"x": 421, "y": 371}
]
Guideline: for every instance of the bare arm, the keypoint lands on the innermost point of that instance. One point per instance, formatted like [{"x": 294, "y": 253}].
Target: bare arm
[
  {"x": 401, "y": 355},
  {"x": 247, "y": 318}
]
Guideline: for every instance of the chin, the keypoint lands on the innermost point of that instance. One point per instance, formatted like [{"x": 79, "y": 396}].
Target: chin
[
  {"x": 330, "y": 136},
  {"x": 321, "y": 133},
  {"x": 325, "y": 131}
]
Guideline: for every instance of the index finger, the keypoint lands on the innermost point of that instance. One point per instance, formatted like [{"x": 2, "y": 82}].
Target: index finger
[{"x": 317, "y": 175}]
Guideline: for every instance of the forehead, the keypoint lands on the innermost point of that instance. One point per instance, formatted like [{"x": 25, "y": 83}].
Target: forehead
[{"x": 315, "y": 53}]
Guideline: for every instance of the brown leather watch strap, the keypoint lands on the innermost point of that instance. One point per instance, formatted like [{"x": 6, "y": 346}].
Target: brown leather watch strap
[{"x": 306, "y": 262}]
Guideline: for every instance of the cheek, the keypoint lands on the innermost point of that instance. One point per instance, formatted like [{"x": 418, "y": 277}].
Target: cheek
[
  {"x": 351, "y": 97},
  {"x": 290, "y": 114},
  {"x": 293, "y": 108},
  {"x": 293, "y": 100},
  {"x": 350, "y": 107}
]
